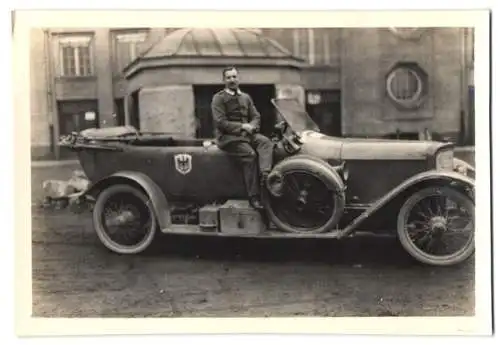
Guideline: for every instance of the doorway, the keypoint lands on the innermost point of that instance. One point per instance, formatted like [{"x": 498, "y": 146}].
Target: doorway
[
  {"x": 471, "y": 128},
  {"x": 120, "y": 111},
  {"x": 261, "y": 95},
  {"x": 133, "y": 108},
  {"x": 324, "y": 107},
  {"x": 76, "y": 116}
]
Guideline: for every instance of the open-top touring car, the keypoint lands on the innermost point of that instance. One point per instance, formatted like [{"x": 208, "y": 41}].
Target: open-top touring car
[{"x": 143, "y": 184}]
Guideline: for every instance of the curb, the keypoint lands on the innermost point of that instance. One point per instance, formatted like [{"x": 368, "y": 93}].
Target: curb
[{"x": 48, "y": 164}]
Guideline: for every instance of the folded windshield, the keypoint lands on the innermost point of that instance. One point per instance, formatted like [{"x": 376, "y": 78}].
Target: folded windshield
[{"x": 294, "y": 114}]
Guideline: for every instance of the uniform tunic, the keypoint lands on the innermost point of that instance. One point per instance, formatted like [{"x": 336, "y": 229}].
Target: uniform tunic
[{"x": 230, "y": 110}]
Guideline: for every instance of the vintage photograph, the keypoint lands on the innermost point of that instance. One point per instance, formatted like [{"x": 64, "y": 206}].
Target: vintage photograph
[{"x": 221, "y": 172}]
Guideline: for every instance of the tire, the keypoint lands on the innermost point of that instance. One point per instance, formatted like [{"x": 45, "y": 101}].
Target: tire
[
  {"x": 417, "y": 253},
  {"x": 142, "y": 201},
  {"x": 324, "y": 177}
]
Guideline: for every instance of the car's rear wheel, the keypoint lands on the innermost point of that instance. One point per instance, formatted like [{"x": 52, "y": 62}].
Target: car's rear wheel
[
  {"x": 124, "y": 219},
  {"x": 436, "y": 226}
]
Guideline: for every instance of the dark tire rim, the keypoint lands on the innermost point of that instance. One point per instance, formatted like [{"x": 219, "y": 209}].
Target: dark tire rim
[
  {"x": 440, "y": 223},
  {"x": 126, "y": 219},
  {"x": 306, "y": 202}
]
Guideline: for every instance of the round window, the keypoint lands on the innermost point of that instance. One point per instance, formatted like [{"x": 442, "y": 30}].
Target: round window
[{"x": 405, "y": 86}]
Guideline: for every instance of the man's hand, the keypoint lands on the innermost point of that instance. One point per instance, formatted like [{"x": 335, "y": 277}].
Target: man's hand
[{"x": 248, "y": 128}]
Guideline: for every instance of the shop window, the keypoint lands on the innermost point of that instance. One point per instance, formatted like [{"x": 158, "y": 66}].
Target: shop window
[
  {"x": 76, "y": 116},
  {"x": 324, "y": 107}
]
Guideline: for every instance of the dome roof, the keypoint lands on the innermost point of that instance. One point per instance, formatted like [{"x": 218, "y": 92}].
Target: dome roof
[
  {"x": 204, "y": 46},
  {"x": 203, "y": 42}
]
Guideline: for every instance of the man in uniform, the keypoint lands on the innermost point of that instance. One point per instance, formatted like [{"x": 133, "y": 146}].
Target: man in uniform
[{"x": 237, "y": 123}]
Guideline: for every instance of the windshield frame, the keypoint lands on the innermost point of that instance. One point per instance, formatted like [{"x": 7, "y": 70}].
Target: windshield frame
[{"x": 298, "y": 119}]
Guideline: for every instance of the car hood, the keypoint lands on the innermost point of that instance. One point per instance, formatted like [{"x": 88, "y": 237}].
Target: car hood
[{"x": 327, "y": 147}]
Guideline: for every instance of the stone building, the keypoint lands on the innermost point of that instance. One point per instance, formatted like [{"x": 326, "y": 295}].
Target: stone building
[
  {"x": 172, "y": 84},
  {"x": 353, "y": 81},
  {"x": 387, "y": 82}
]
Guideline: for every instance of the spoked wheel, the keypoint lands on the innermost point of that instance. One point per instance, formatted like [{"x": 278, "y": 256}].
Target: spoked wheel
[
  {"x": 124, "y": 219},
  {"x": 308, "y": 203},
  {"x": 436, "y": 226}
]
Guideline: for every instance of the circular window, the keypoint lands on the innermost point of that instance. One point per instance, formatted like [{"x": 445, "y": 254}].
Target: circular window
[{"x": 405, "y": 86}]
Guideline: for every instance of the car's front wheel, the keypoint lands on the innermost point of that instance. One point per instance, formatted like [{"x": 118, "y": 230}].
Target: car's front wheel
[
  {"x": 311, "y": 196},
  {"x": 436, "y": 226},
  {"x": 124, "y": 219}
]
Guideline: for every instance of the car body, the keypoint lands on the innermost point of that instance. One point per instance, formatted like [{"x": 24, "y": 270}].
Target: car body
[{"x": 341, "y": 185}]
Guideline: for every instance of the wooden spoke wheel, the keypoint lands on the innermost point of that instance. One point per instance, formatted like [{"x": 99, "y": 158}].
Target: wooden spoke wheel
[
  {"x": 436, "y": 226},
  {"x": 124, "y": 219},
  {"x": 309, "y": 201}
]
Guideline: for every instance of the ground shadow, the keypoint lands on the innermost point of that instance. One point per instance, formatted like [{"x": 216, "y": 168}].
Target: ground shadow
[{"x": 358, "y": 250}]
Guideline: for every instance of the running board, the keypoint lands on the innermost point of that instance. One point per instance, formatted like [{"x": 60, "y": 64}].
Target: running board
[{"x": 181, "y": 229}]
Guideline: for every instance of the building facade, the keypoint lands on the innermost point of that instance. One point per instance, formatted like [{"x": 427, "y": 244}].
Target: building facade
[{"x": 377, "y": 82}]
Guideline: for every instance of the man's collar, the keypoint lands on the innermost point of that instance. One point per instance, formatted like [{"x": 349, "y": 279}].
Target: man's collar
[{"x": 231, "y": 92}]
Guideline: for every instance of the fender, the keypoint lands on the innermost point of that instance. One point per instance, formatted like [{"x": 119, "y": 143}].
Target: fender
[
  {"x": 155, "y": 194},
  {"x": 463, "y": 167},
  {"x": 450, "y": 177},
  {"x": 316, "y": 166},
  {"x": 339, "y": 172}
]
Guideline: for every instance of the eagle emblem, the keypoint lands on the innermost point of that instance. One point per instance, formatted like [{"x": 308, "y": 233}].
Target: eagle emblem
[{"x": 183, "y": 163}]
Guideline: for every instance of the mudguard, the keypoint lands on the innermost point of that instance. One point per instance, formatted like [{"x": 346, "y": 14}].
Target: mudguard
[
  {"x": 157, "y": 197},
  {"x": 319, "y": 167},
  {"x": 450, "y": 177},
  {"x": 463, "y": 167}
]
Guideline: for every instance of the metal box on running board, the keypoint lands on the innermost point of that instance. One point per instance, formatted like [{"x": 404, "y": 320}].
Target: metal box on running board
[
  {"x": 209, "y": 218},
  {"x": 238, "y": 217}
]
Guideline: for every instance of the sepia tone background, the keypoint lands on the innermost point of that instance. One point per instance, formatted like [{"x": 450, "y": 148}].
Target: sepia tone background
[
  {"x": 29, "y": 325},
  {"x": 370, "y": 82}
]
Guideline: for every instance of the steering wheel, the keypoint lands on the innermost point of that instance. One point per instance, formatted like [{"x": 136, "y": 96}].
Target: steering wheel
[
  {"x": 289, "y": 140},
  {"x": 280, "y": 129}
]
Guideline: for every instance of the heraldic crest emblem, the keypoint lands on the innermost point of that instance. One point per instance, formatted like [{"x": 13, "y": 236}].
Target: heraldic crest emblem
[{"x": 183, "y": 163}]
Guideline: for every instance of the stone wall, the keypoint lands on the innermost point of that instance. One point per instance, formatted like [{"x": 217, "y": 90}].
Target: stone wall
[
  {"x": 369, "y": 54},
  {"x": 167, "y": 109},
  {"x": 41, "y": 116}
]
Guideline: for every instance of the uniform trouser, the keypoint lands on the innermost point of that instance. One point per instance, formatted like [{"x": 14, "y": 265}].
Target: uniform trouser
[{"x": 254, "y": 156}]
